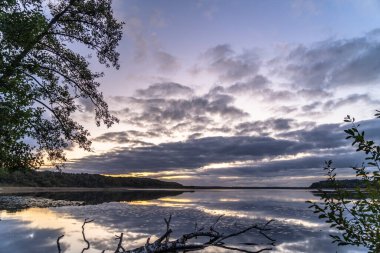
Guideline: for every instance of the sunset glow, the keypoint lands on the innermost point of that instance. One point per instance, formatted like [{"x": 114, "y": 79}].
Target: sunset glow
[{"x": 247, "y": 90}]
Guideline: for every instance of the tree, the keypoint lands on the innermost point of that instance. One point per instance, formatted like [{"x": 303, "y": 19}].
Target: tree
[
  {"x": 356, "y": 213},
  {"x": 42, "y": 78}
]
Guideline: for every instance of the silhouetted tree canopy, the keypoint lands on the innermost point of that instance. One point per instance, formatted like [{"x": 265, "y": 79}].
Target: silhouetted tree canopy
[{"x": 42, "y": 78}]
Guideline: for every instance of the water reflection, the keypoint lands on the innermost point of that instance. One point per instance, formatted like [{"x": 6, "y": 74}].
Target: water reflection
[
  {"x": 18, "y": 201},
  {"x": 296, "y": 228}
]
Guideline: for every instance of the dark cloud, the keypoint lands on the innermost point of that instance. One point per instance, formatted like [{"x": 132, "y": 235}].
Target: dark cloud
[
  {"x": 319, "y": 108},
  {"x": 311, "y": 107},
  {"x": 271, "y": 95},
  {"x": 292, "y": 153},
  {"x": 130, "y": 137},
  {"x": 195, "y": 136},
  {"x": 165, "y": 90},
  {"x": 161, "y": 109},
  {"x": 117, "y": 137},
  {"x": 175, "y": 110},
  {"x": 332, "y": 63},
  {"x": 171, "y": 109},
  {"x": 254, "y": 84},
  {"x": 283, "y": 109},
  {"x": 230, "y": 66},
  {"x": 349, "y": 100},
  {"x": 321, "y": 137},
  {"x": 297, "y": 167},
  {"x": 190, "y": 154},
  {"x": 371, "y": 128},
  {"x": 265, "y": 127}
]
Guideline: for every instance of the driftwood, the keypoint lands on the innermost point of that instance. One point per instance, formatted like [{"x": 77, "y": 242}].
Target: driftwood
[{"x": 183, "y": 244}]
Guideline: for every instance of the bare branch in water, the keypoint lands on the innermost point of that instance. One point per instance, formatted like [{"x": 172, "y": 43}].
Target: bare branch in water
[
  {"x": 164, "y": 245},
  {"x": 216, "y": 239},
  {"x": 84, "y": 236},
  {"x": 58, "y": 244},
  {"x": 119, "y": 247}
]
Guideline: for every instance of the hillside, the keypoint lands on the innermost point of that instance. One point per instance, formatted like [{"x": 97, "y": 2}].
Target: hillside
[{"x": 54, "y": 179}]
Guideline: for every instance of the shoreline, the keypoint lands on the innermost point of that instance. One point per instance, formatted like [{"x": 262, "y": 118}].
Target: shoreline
[{"x": 27, "y": 189}]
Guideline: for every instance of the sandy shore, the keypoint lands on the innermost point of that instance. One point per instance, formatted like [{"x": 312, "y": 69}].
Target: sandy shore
[{"x": 74, "y": 189}]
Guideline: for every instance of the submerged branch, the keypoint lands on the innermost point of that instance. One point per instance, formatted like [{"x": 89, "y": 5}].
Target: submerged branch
[
  {"x": 164, "y": 245},
  {"x": 58, "y": 244},
  {"x": 84, "y": 235}
]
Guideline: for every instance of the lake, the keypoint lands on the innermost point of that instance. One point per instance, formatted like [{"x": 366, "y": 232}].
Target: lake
[{"x": 32, "y": 222}]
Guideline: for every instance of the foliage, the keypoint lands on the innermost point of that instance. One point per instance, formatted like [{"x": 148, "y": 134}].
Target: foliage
[
  {"x": 358, "y": 219},
  {"x": 42, "y": 79},
  {"x": 33, "y": 178},
  {"x": 345, "y": 183}
]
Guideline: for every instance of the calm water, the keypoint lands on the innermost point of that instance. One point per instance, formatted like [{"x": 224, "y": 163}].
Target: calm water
[{"x": 32, "y": 223}]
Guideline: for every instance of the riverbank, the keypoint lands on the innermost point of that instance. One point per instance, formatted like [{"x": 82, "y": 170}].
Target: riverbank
[
  {"x": 22, "y": 189},
  {"x": 11, "y": 189}
]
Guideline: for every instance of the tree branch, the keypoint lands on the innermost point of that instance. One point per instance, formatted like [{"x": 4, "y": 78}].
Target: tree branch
[
  {"x": 16, "y": 62},
  {"x": 58, "y": 244},
  {"x": 217, "y": 239},
  {"x": 84, "y": 236}
]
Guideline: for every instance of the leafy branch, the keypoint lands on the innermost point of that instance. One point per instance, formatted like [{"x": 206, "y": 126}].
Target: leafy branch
[{"x": 355, "y": 212}]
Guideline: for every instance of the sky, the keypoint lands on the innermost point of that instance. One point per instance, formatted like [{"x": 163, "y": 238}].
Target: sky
[{"x": 236, "y": 93}]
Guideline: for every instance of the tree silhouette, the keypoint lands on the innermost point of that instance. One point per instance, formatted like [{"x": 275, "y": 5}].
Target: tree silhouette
[{"x": 42, "y": 77}]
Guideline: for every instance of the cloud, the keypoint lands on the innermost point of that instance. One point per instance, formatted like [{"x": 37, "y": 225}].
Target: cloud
[
  {"x": 371, "y": 128},
  {"x": 314, "y": 93},
  {"x": 349, "y": 100},
  {"x": 296, "y": 167},
  {"x": 321, "y": 137},
  {"x": 173, "y": 109},
  {"x": 291, "y": 154},
  {"x": 166, "y": 62},
  {"x": 332, "y": 63},
  {"x": 165, "y": 90},
  {"x": 195, "y": 153},
  {"x": 252, "y": 85},
  {"x": 257, "y": 86},
  {"x": 284, "y": 109},
  {"x": 311, "y": 107},
  {"x": 130, "y": 137},
  {"x": 265, "y": 127},
  {"x": 230, "y": 66},
  {"x": 321, "y": 107},
  {"x": 190, "y": 154}
]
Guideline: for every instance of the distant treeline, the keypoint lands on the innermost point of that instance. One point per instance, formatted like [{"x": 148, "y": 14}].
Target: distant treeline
[
  {"x": 33, "y": 178},
  {"x": 347, "y": 183}
]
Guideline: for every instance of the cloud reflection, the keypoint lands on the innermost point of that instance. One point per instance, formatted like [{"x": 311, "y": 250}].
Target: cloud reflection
[{"x": 295, "y": 228}]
